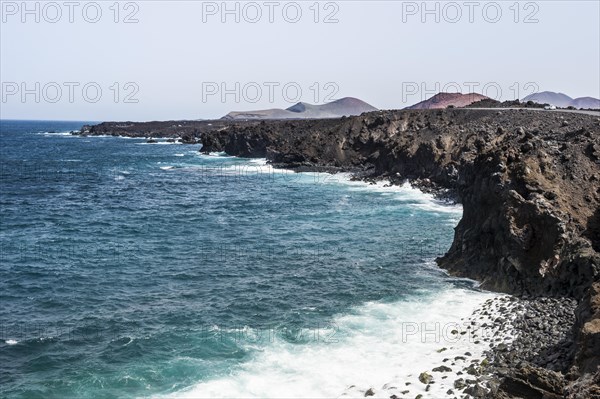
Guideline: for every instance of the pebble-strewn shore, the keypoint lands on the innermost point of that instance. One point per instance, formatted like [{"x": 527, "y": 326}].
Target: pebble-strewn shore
[
  {"x": 542, "y": 329},
  {"x": 505, "y": 334}
]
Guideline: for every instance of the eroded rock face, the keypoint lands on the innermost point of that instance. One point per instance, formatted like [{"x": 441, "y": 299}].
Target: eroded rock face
[
  {"x": 529, "y": 182},
  {"x": 588, "y": 336},
  {"x": 529, "y": 382},
  {"x": 521, "y": 230}
]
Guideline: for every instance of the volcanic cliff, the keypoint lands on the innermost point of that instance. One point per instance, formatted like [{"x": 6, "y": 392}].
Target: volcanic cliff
[{"x": 529, "y": 183}]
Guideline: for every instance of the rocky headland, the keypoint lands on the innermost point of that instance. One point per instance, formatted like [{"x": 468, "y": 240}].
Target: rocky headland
[{"x": 529, "y": 184}]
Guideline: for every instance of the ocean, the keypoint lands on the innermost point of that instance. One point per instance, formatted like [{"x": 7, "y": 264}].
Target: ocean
[{"x": 132, "y": 270}]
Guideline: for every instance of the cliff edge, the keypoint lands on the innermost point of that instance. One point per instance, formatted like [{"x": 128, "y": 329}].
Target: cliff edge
[{"x": 529, "y": 183}]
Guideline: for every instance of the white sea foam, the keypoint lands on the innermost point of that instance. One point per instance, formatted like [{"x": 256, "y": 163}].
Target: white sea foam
[
  {"x": 259, "y": 161},
  {"x": 378, "y": 346},
  {"x": 103, "y": 136},
  {"x": 56, "y": 133},
  {"x": 11, "y": 342},
  {"x": 217, "y": 154},
  {"x": 412, "y": 197},
  {"x": 110, "y": 136},
  {"x": 160, "y": 143}
]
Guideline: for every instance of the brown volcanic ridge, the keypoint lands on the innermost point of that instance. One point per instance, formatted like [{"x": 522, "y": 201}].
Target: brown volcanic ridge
[{"x": 444, "y": 100}]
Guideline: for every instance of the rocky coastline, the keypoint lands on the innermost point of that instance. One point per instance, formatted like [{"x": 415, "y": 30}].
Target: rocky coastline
[
  {"x": 509, "y": 342},
  {"x": 529, "y": 183}
]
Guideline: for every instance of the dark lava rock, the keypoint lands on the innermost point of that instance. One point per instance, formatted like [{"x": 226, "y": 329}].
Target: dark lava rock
[
  {"x": 476, "y": 391},
  {"x": 532, "y": 382},
  {"x": 459, "y": 384},
  {"x": 425, "y": 377}
]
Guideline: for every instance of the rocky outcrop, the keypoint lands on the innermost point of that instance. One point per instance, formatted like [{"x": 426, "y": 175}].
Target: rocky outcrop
[
  {"x": 187, "y": 131},
  {"x": 529, "y": 183}
]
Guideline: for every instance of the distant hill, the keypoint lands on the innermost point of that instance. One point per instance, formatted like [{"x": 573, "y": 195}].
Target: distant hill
[
  {"x": 562, "y": 100},
  {"x": 586, "y": 102},
  {"x": 549, "y": 97},
  {"x": 346, "y": 106},
  {"x": 443, "y": 100}
]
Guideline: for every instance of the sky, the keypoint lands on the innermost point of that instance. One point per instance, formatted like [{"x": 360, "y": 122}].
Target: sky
[{"x": 164, "y": 60}]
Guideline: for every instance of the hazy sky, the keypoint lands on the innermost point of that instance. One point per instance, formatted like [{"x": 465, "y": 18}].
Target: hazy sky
[{"x": 194, "y": 59}]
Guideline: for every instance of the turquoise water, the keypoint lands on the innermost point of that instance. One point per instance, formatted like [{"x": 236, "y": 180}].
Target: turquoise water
[{"x": 133, "y": 270}]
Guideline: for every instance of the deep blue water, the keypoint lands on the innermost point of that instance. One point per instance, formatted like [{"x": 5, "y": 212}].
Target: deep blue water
[{"x": 130, "y": 269}]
